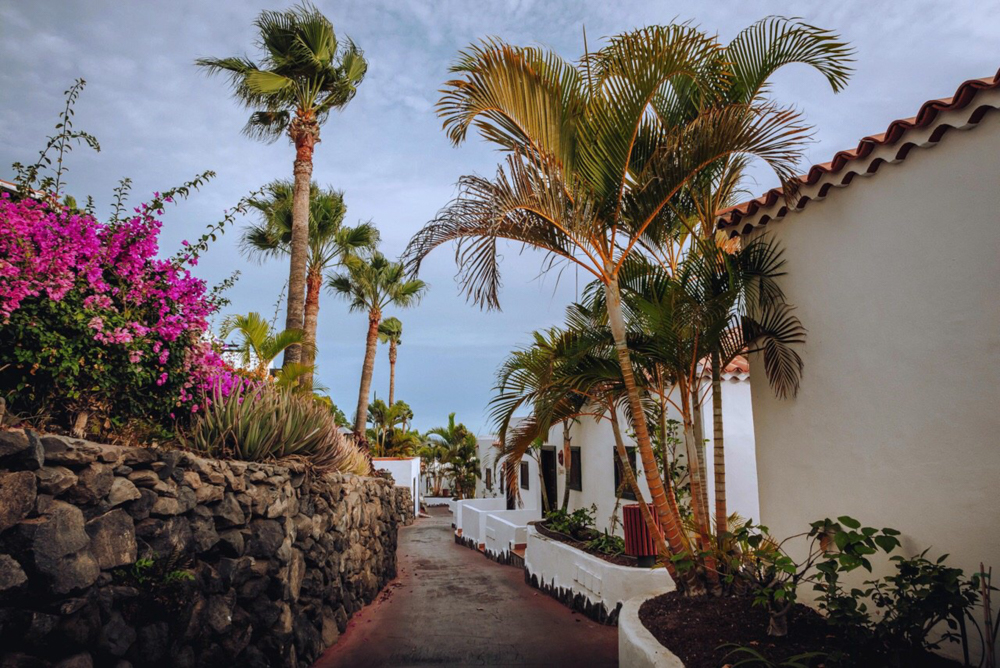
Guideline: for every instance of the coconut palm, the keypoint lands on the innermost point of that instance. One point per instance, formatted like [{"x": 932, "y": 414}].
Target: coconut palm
[
  {"x": 389, "y": 422},
  {"x": 304, "y": 73},
  {"x": 371, "y": 284},
  {"x": 330, "y": 241},
  {"x": 597, "y": 155},
  {"x": 390, "y": 331}
]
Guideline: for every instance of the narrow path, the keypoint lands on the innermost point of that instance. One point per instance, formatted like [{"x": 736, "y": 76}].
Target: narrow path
[{"x": 450, "y": 606}]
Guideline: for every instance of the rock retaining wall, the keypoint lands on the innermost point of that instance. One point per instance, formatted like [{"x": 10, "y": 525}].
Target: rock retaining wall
[{"x": 114, "y": 556}]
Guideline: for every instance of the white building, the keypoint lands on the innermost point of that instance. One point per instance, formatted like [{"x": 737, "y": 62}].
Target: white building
[
  {"x": 893, "y": 261},
  {"x": 592, "y": 440}
]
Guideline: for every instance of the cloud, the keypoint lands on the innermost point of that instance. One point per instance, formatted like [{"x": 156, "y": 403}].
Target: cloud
[{"x": 161, "y": 121}]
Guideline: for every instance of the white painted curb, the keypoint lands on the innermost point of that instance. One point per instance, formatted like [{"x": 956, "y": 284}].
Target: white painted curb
[{"x": 637, "y": 647}]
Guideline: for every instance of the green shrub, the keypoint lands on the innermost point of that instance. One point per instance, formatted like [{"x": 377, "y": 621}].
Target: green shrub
[
  {"x": 608, "y": 544},
  {"x": 572, "y": 524},
  {"x": 259, "y": 422}
]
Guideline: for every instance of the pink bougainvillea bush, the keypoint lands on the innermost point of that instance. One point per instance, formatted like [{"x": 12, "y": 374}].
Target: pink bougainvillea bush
[{"x": 93, "y": 323}]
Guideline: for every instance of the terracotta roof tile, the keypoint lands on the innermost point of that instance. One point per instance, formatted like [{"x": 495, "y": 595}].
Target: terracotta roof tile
[{"x": 742, "y": 218}]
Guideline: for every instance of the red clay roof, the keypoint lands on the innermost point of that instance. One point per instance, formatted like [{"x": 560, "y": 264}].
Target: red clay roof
[{"x": 730, "y": 219}]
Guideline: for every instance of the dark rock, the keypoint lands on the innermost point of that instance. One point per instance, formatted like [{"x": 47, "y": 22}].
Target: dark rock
[
  {"x": 144, "y": 478},
  {"x": 266, "y": 537},
  {"x": 82, "y": 660},
  {"x": 139, "y": 509},
  {"x": 40, "y": 627},
  {"x": 12, "y": 443},
  {"x": 17, "y": 497},
  {"x": 11, "y": 574},
  {"x": 296, "y": 570},
  {"x": 136, "y": 456},
  {"x": 203, "y": 534},
  {"x": 240, "y": 633},
  {"x": 166, "y": 507},
  {"x": 153, "y": 643},
  {"x": 93, "y": 484},
  {"x": 228, "y": 512},
  {"x": 219, "y": 612},
  {"x": 308, "y": 641},
  {"x": 164, "y": 537},
  {"x": 208, "y": 493},
  {"x": 116, "y": 635},
  {"x": 21, "y": 660},
  {"x": 59, "y": 451},
  {"x": 59, "y": 532},
  {"x": 122, "y": 490},
  {"x": 71, "y": 572},
  {"x": 112, "y": 539},
  {"x": 31, "y": 458},
  {"x": 55, "y": 480},
  {"x": 232, "y": 543},
  {"x": 329, "y": 630}
]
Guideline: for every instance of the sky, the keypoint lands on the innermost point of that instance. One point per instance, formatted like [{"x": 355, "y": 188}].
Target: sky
[{"x": 161, "y": 121}]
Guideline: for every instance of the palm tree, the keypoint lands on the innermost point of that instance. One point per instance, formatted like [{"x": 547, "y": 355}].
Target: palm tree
[
  {"x": 372, "y": 283},
  {"x": 391, "y": 331},
  {"x": 598, "y": 154},
  {"x": 385, "y": 420},
  {"x": 259, "y": 345},
  {"x": 459, "y": 453},
  {"x": 329, "y": 243},
  {"x": 432, "y": 453},
  {"x": 303, "y": 75}
]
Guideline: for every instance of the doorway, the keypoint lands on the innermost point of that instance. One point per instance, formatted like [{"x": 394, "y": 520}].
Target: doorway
[{"x": 548, "y": 464}]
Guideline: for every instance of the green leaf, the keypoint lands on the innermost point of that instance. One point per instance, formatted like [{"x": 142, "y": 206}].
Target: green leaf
[{"x": 848, "y": 521}]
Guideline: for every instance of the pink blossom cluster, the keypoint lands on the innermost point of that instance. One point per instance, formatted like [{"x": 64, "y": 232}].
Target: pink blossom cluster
[{"x": 46, "y": 251}]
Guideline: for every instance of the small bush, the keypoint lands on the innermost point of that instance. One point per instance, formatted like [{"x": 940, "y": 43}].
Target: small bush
[
  {"x": 256, "y": 421},
  {"x": 573, "y": 524},
  {"x": 608, "y": 544}
]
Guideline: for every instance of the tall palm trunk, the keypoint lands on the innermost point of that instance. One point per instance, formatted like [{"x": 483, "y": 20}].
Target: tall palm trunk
[
  {"x": 314, "y": 283},
  {"x": 367, "y": 369},
  {"x": 305, "y": 133},
  {"x": 672, "y": 540},
  {"x": 392, "y": 376},
  {"x": 546, "y": 506},
  {"x": 568, "y": 458},
  {"x": 699, "y": 440},
  {"x": 633, "y": 484},
  {"x": 718, "y": 449}
]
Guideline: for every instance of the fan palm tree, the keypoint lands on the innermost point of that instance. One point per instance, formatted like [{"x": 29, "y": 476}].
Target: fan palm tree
[
  {"x": 459, "y": 453},
  {"x": 259, "y": 346},
  {"x": 390, "y": 331},
  {"x": 330, "y": 241},
  {"x": 371, "y": 284},
  {"x": 303, "y": 75},
  {"x": 597, "y": 154}
]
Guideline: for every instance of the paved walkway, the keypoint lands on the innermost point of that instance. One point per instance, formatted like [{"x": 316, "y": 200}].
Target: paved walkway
[{"x": 451, "y": 606}]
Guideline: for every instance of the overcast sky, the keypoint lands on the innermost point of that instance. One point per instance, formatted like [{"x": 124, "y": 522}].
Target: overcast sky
[{"x": 160, "y": 121}]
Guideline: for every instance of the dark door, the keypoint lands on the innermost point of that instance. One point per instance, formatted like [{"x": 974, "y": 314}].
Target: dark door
[{"x": 549, "y": 475}]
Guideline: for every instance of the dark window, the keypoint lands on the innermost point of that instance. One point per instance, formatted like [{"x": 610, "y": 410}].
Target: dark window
[
  {"x": 627, "y": 492},
  {"x": 575, "y": 470},
  {"x": 524, "y": 475},
  {"x": 488, "y": 477}
]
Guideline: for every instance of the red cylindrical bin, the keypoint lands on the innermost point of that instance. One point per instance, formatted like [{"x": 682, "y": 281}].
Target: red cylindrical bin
[{"x": 638, "y": 541}]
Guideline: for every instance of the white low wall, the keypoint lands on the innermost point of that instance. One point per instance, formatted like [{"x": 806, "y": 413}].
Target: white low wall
[
  {"x": 637, "y": 647},
  {"x": 405, "y": 472},
  {"x": 507, "y": 528},
  {"x": 467, "y": 515},
  {"x": 559, "y": 566}
]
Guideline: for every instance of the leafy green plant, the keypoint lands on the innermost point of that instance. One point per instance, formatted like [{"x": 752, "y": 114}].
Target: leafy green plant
[
  {"x": 161, "y": 583},
  {"x": 773, "y": 577},
  {"x": 608, "y": 544},
  {"x": 259, "y": 422},
  {"x": 572, "y": 524}
]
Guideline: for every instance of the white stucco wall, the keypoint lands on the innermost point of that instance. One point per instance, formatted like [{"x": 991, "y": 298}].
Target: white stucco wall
[
  {"x": 595, "y": 439},
  {"x": 559, "y": 565},
  {"x": 896, "y": 278},
  {"x": 470, "y": 516},
  {"x": 530, "y": 499},
  {"x": 741, "y": 460},
  {"x": 507, "y": 528},
  {"x": 406, "y": 473}
]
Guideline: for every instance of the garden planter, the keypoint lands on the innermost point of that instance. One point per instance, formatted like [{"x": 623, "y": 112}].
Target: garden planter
[{"x": 638, "y": 541}]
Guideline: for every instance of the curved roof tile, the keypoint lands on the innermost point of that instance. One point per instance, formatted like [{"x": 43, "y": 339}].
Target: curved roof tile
[{"x": 742, "y": 218}]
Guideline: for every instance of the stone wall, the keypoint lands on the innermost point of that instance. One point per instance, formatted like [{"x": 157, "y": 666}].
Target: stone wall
[{"x": 115, "y": 556}]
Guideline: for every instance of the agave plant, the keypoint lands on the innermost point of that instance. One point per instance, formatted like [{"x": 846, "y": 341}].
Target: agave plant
[{"x": 258, "y": 422}]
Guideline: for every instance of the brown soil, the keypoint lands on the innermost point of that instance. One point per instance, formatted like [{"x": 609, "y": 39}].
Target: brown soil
[
  {"x": 696, "y": 630},
  {"x": 619, "y": 559}
]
